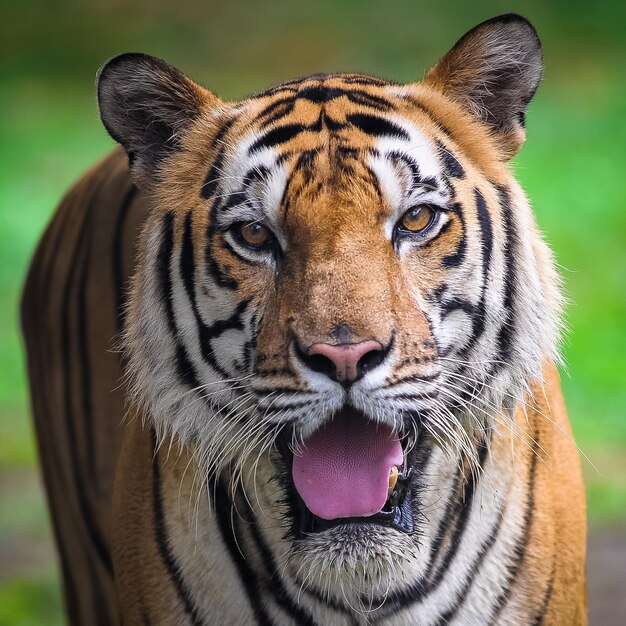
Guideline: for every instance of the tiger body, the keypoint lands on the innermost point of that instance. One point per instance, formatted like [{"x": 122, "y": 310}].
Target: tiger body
[{"x": 274, "y": 240}]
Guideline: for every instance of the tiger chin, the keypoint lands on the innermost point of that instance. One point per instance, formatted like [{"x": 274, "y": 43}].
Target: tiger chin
[{"x": 293, "y": 358}]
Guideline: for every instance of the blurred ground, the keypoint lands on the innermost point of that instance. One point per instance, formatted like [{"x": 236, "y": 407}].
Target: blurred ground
[
  {"x": 606, "y": 564},
  {"x": 572, "y": 169}
]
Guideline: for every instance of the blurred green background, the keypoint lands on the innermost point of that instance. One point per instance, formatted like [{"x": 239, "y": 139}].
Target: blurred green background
[{"x": 572, "y": 168}]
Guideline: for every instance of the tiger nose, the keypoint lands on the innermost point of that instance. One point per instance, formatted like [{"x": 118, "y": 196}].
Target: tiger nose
[{"x": 345, "y": 362}]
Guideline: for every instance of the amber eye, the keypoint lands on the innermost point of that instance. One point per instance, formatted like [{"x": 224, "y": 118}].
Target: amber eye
[
  {"x": 254, "y": 234},
  {"x": 418, "y": 219}
]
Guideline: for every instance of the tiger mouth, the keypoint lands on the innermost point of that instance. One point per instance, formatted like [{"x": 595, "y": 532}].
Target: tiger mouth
[
  {"x": 396, "y": 513},
  {"x": 367, "y": 505}
]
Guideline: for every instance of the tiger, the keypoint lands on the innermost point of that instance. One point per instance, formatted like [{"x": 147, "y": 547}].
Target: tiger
[{"x": 293, "y": 359}]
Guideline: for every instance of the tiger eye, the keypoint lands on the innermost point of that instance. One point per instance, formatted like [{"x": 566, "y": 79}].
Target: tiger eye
[
  {"x": 418, "y": 218},
  {"x": 254, "y": 234}
]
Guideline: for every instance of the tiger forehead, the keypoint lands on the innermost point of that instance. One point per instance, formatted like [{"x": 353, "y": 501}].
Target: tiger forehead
[
  {"x": 330, "y": 108},
  {"x": 354, "y": 140}
]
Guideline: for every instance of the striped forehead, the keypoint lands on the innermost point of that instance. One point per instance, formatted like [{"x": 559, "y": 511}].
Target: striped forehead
[{"x": 250, "y": 174}]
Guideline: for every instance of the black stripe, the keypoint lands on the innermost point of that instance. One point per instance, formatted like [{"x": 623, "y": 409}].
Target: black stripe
[
  {"x": 257, "y": 173},
  {"x": 272, "y": 572},
  {"x": 373, "y": 179},
  {"x": 227, "y": 521},
  {"x": 187, "y": 261},
  {"x": 277, "y": 410},
  {"x": 214, "y": 270},
  {"x": 367, "y": 99},
  {"x": 165, "y": 280},
  {"x": 456, "y": 258},
  {"x": 348, "y": 152},
  {"x": 486, "y": 230},
  {"x": 275, "y": 107},
  {"x": 276, "y": 136},
  {"x": 416, "y": 177},
  {"x": 410, "y": 164},
  {"x": 320, "y": 93},
  {"x": 507, "y": 330},
  {"x": 333, "y": 124},
  {"x": 457, "y": 304},
  {"x": 286, "y": 390},
  {"x": 484, "y": 220},
  {"x": 451, "y": 165},
  {"x": 161, "y": 536},
  {"x": 211, "y": 265},
  {"x": 205, "y": 333},
  {"x": 519, "y": 552},
  {"x": 118, "y": 256},
  {"x": 415, "y": 396},
  {"x": 233, "y": 200},
  {"x": 278, "y": 114},
  {"x": 184, "y": 366},
  {"x": 330, "y": 603},
  {"x": 248, "y": 347},
  {"x": 486, "y": 240},
  {"x": 234, "y": 322},
  {"x": 474, "y": 570},
  {"x": 304, "y": 164},
  {"x": 211, "y": 182},
  {"x": 376, "y": 126},
  {"x": 461, "y": 517}
]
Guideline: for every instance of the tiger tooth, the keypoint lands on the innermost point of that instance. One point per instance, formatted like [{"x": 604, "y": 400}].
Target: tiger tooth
[{"x": 393, "y": 478}]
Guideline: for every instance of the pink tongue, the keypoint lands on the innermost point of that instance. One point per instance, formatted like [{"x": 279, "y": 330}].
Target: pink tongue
[{"x": 342, "y": 469}]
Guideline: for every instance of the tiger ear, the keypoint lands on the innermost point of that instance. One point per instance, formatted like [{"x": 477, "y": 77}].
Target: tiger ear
[
  {"x": 146, "y": 105},
  {"x": 493, "y": 72}
]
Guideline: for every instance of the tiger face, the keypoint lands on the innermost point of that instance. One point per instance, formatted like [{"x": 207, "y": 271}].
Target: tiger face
[{"x": 340, "y": 277}]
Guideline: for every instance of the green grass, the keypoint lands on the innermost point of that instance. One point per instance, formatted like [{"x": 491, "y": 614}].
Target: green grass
[
  {"x": 31, "y": 602},
  {"x": 571, "y": 168},
  {"x": 29, "y": 584}
]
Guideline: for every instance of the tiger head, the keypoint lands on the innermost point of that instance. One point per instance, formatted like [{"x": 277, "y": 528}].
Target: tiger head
[{"x": 339, "y": 275}]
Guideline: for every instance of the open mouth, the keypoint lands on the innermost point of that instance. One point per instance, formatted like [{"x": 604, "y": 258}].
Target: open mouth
[{"x": 350, "y": 471}]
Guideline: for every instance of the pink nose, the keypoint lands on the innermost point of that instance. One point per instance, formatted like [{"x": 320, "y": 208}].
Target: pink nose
[{"x": 349, "y": 359}]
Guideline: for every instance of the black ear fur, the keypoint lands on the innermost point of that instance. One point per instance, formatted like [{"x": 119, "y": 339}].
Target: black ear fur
[
  {"x": 145, "y": 104},
  {"x": 493, "y": 71}
]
